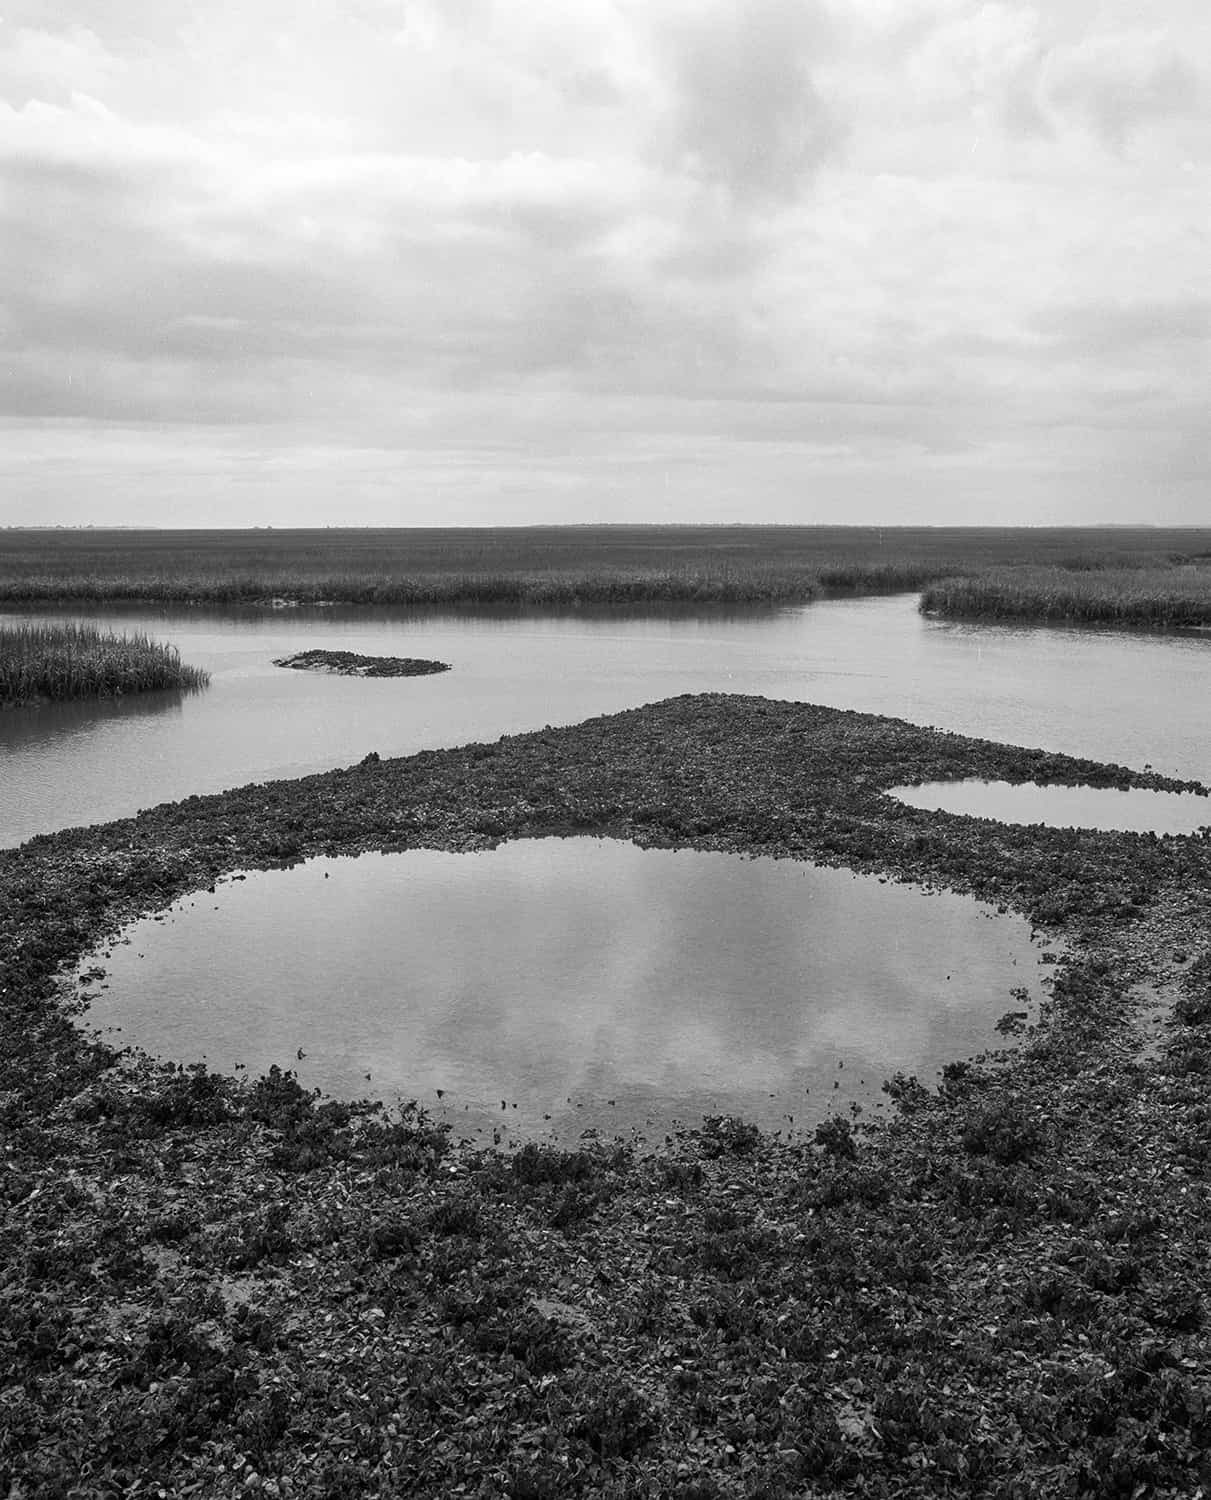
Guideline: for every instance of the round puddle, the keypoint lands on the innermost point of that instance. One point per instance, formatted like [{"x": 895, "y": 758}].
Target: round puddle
[
  {"x": 1106, "y": 809},
  {"x": 554, "y": 985}
]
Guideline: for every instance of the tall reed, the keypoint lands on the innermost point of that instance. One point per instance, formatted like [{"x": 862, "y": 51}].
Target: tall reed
[
  {"x": 41, "y": 662},
  {"x": 1157, "y": 596}
]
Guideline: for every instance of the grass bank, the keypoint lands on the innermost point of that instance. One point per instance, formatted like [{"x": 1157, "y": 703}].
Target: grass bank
[
  {"x": 41, "y": 663},
  {"x": 228, "y": 1289},
  {"x": 1168, "y": 597},
  {"x": 540, "y": 567}
]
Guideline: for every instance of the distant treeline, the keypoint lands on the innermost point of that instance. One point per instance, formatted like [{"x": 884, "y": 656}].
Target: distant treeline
[
  {"x": 39, "y": 662},
  {"x": 1157, "y": 596}
]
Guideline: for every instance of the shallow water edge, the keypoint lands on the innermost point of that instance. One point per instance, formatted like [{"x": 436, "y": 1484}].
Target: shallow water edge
[
  {"x": 511, "y": 675},
  {"x": 712, "y": 771}
]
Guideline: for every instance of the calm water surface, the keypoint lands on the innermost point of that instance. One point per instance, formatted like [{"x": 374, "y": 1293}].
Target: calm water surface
[
  {"x": 1136, "y": 699},
  {"x": 553, "y": 985},
  {"x": 1134, "y": 811}
]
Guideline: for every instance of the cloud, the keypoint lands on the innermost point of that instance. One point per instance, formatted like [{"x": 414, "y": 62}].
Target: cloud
[
  {"x": 38, "y": 63},
  {"x": 746, "y": 115},
  {"x": 701, "y": 240},
  {"x": 1121, "y": 83},
  {"x": 973, "y": 60},
  {"x": 1105, "y": 328}
]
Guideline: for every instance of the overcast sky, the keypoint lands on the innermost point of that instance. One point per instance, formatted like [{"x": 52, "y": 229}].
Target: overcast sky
[{"x": 379, "y": 261}]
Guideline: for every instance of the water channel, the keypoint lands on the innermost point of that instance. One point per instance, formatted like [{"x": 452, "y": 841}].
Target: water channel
[
  {"x": 1110, "y": 695},
  {"x": 1135, "y": 810},
  {"x": 551, "y": 986}
]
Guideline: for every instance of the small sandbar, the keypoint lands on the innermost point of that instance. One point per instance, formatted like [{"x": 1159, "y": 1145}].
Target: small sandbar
[
  {"x": 1106, "y": 809},
  {"x": 350, "y": 664}
]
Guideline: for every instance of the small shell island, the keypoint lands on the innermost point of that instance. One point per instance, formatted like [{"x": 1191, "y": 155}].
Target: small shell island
[{"x": 350, "y": 664}]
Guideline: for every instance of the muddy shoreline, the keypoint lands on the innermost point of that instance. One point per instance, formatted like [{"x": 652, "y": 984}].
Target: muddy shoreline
[{"x": 221, "y": 1288}]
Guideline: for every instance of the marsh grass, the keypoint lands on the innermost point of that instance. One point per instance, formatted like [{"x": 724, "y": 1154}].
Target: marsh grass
[
  {"x": 545, "y": 567},
  {"x": 558, "y": 588},
  {"x": 1176, "y": 595},
  {"x": 39, "y": 662}
]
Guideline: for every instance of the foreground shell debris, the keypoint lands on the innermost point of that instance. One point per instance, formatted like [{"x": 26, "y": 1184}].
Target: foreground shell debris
[{"x": 218, "y": 1287}]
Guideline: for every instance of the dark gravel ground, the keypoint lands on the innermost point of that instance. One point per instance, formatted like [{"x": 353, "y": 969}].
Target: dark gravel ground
[{"x": 221, "y": 1288}]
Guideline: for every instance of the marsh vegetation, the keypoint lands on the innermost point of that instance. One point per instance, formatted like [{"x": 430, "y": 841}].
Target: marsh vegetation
[
  {"x": 1159, "y": 596},
  {"x": 52, "y": 662},
  {"x": 545, "y": 567}
]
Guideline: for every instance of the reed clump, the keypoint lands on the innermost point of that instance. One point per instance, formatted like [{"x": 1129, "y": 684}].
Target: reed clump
[
  {"x": 1160, "y": 597},
  {"x": 56, "y": 661}
]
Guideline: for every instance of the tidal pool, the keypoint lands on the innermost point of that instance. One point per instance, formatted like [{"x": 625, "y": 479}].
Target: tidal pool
[
  {"x": 1109, "y": 809},
  {"x": 555, "y": 985}
]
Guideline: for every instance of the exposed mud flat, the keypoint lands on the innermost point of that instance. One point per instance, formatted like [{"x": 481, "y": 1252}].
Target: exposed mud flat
[{"x": 221, "y": 1288}]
